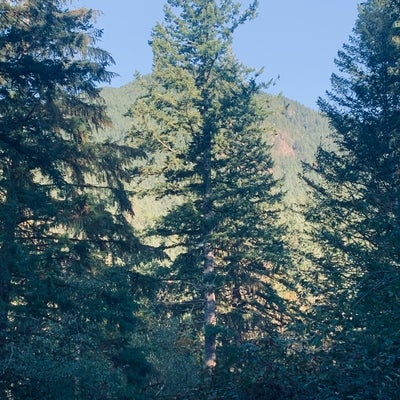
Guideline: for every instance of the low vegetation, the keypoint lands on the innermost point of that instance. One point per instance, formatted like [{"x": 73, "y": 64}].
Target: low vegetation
[{"x": 188, "y": 235}]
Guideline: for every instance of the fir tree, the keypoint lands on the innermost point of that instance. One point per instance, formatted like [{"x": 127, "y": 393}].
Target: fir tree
[
  {"x": 355, "y": 218},
  {"x": 68, "y": 291},
  {"x": 200, "y": 117}
]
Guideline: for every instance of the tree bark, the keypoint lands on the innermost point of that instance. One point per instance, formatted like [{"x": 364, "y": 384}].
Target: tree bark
[
  {"x": 7, "y": 253},
  {"x": 4, "y": 302},
  {"x": 209, "y": 263},
  {"x": 210, "y": 311}
]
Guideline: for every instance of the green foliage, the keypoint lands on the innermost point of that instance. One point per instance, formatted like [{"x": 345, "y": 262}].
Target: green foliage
[
  {"x": 355, "y": 217},
  {"x": 88, "y": 311},
  {"x": 292, "y": 130},
  {"x": 296, "y": 133},
  {"x": 68, "y": 292},
  {"x": 201, "y": 112}
]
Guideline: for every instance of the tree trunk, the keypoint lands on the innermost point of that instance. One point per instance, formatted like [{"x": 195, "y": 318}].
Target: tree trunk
[
  {"x": 209, "y": 267},
  {"x": 8, "y": 260},
  {"x": 210, "y": 313},
  {"x": 4, "y": 301}
]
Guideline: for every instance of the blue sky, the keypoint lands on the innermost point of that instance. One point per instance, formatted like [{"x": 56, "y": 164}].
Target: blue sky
[{"x": 296, "y": 40}]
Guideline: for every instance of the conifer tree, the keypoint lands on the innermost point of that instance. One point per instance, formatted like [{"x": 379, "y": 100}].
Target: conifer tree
[
  {"x": 355, "y": 218},
  {"x": 67, "y": 289},
  {"x": 201, "y": 118}
]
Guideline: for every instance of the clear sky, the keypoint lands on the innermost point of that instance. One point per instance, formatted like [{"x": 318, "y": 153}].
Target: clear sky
[{"x": 296, "y": 40}]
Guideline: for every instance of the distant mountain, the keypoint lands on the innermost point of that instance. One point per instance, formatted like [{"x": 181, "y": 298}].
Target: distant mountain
[
  {"x": 295, "y": 132},
  {"x": 118, "y": 101}
]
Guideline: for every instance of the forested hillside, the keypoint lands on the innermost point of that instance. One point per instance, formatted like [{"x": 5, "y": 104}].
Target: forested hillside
[
  {"x": 189, "y": 236},
  {"x": 294, "y": 131}
]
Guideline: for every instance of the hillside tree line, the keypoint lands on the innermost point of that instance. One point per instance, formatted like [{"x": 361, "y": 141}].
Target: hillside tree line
[{"x": 218, "y": 295}]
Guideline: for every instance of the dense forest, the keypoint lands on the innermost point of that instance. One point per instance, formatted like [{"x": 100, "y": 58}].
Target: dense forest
[{"x": 188, "y": 235}]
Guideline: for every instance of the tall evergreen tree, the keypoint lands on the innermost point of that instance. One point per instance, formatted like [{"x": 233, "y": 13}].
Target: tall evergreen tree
[
  {"x": 67, "y": 289},
  {"x": 201, "y": 117},
  {"x": 356, "y": 215}
]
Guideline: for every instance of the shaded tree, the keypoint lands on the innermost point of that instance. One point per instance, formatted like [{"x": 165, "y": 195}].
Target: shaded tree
[
  {"x": 67, "y": 286},
  {"x": 201, "y": 119},
  {"x": 355, "y": 217}
]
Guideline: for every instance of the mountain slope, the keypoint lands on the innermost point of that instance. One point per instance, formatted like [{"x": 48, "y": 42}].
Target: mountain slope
[
  {"x": 295, "y": 132},
  {"x": 298, "y": 131}
]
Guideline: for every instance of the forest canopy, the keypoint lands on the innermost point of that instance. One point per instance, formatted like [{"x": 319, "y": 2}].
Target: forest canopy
[{"x": 189, "y": 235}]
